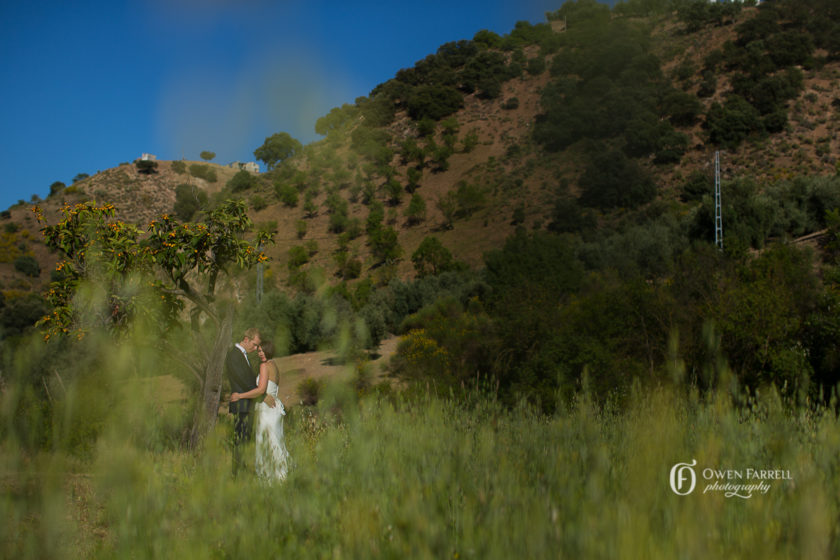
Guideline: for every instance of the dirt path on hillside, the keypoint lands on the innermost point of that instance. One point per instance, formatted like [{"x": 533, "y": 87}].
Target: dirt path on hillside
[
  {"x": 321, "y": 365},
  {"x": 293, "y": 370}
]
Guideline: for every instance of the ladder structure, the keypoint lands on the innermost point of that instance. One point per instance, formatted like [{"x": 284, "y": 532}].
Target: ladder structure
[{"x": 718, "y": 209}]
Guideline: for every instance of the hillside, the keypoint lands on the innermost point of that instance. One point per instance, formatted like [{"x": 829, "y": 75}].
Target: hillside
[{"x": 482, "y": 171}]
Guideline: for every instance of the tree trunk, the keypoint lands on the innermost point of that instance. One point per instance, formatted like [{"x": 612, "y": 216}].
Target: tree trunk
[{"x": 208, "y": 410}]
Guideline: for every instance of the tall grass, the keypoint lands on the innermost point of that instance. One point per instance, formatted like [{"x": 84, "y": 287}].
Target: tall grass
[{"x": 428, "y": 478}]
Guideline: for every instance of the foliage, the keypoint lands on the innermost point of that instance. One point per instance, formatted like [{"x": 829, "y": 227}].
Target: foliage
[
  {"x": 146, "y": 166},
  {"x": 20, "y": 313},
  {"x": 613, "y": 180},
  {"x": 416, "y": 210},
  {"x": 287, "y": 194},
  {"x": 337, "y": 118},
  {"x": 277, "y": 148},
  {"x": 242, "y": 181},
  {"x": 439, "y": 479},
  {"x": 106, "y": 280},
  {"x": 207, "y": 155},
  {"x": 385, "y": 246},
  {"x": 28, "y": 265},
  {"x": 57, "y": 187},
  {"x": 372, "y": 144},
  {"x": 189, "y": 199},
  {"x": 433, "y": 102},
  {"x": 203, "y": 172},
  {"x": 432, "y": 258},
  {"x": 179, "y": 167}
]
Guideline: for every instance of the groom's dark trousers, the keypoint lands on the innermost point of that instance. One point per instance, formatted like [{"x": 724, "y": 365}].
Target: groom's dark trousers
[{"x": 242, "y": 380}]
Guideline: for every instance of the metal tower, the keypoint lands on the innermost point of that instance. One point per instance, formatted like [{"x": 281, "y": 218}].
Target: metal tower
[
  {"x": 259, "y": 278},
  {"x": 718, "y": 210}
]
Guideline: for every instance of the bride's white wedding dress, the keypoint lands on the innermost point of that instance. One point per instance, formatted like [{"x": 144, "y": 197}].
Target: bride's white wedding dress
[{"x": 272, "y": 458}]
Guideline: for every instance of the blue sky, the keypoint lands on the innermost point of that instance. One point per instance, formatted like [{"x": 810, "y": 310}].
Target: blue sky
[{"x": 88, "y": 85}]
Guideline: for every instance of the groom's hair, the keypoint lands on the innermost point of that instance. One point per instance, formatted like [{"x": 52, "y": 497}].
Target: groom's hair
[{"x": 252, "y": 333}]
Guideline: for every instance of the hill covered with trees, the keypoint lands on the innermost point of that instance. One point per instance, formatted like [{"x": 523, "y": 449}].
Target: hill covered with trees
[{"x": 535, "y": 207}]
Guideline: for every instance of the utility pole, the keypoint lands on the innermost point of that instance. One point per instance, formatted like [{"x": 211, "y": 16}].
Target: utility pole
[
  {"x": 259, "y": 278},
  {"x": 718, "y": 209}
]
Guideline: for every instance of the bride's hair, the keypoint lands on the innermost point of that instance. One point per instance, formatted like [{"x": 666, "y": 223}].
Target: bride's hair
[{"x": 267, "y": 348}]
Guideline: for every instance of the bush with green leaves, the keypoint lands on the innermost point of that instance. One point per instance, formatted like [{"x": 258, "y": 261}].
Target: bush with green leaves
[
  {"x": 242, "y": 181},
  {"x": 433, "y": 102},
  {"x": 28, "y": 265},
  {"x": 612, "y": 180},
  {"x": 204, "y": 172},
  {"x": 432, "y": 258},
  {"x": 416, "y": 210},
  {"x": 287, "y": 194},
  {"x": 733, "y": 122},
  {"x": 189, "y": 199},
  {"x": 146, "y": 166},
  {"x": 373, "y": 145}
]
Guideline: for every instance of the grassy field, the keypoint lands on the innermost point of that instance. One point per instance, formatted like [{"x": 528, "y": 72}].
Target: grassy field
[{"x": 433, "y": 479}]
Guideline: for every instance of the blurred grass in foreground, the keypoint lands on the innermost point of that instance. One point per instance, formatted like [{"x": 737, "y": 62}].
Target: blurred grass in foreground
[{"x": 431, "y": 479}]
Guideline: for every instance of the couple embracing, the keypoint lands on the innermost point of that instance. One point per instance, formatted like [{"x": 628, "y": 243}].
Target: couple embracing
[{"x": 272, "y": 458}]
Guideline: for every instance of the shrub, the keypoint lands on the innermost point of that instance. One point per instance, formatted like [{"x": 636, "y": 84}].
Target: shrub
[
  {"x": 287, "y": 194},
  {"x": 28, "y": 266},
  {"x": 613, "y": 180},
  {"x": 204, "y": 172},
  {"x": 189, "y": 199},
  {"x": 179, "y": 166},
  {"x": 310, "y": 390},
  {"x": 242, "y": 181},
  {"x": 258, "y": 202},
  {"x": 146, "y": 166},
  {"x": 433, "y": 102},
  {"x": 731, "y": 123}
]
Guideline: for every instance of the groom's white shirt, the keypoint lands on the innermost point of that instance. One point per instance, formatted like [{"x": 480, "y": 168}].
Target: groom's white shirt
[{"x": 244, "y": 353}]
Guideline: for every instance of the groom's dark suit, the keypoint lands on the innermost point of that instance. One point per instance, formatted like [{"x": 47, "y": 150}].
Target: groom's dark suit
[{"x": 242, "y": 380}]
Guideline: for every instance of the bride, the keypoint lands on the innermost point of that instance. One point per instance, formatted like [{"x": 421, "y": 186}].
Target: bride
[{"x": 272, "y": 458}]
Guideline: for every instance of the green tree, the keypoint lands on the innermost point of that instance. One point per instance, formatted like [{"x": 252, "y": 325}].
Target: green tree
[
  {"x": 287, "y": 194},
  {"x": 146, "y": 166},
  {"x": 183, "y": 262},
  {"x": 448, "y": 206},
  {"x": 385, "y": 245},
  {"x": 731, "y": 123},
  {"x": 242, "y": 181},
  {"x": 416, "y": 211},
  {"x": 28, "y": 265},
  {"x": 277, "y": 148},
  {"x": 189, "y": 199},
  {"x": 207, "y": 155},
  {"x": 431, "y": 257},
  {"x": 203, "y": 172},
  {"x": 57, "y": 187},
  {"x": 613, "y": 180}
]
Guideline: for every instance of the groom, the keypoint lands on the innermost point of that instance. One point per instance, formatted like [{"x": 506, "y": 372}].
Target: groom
[{"x": 242, "y": 379}]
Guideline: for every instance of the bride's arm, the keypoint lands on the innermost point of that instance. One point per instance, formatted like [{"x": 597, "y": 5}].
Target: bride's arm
[{"x": 253, "y": 393}]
